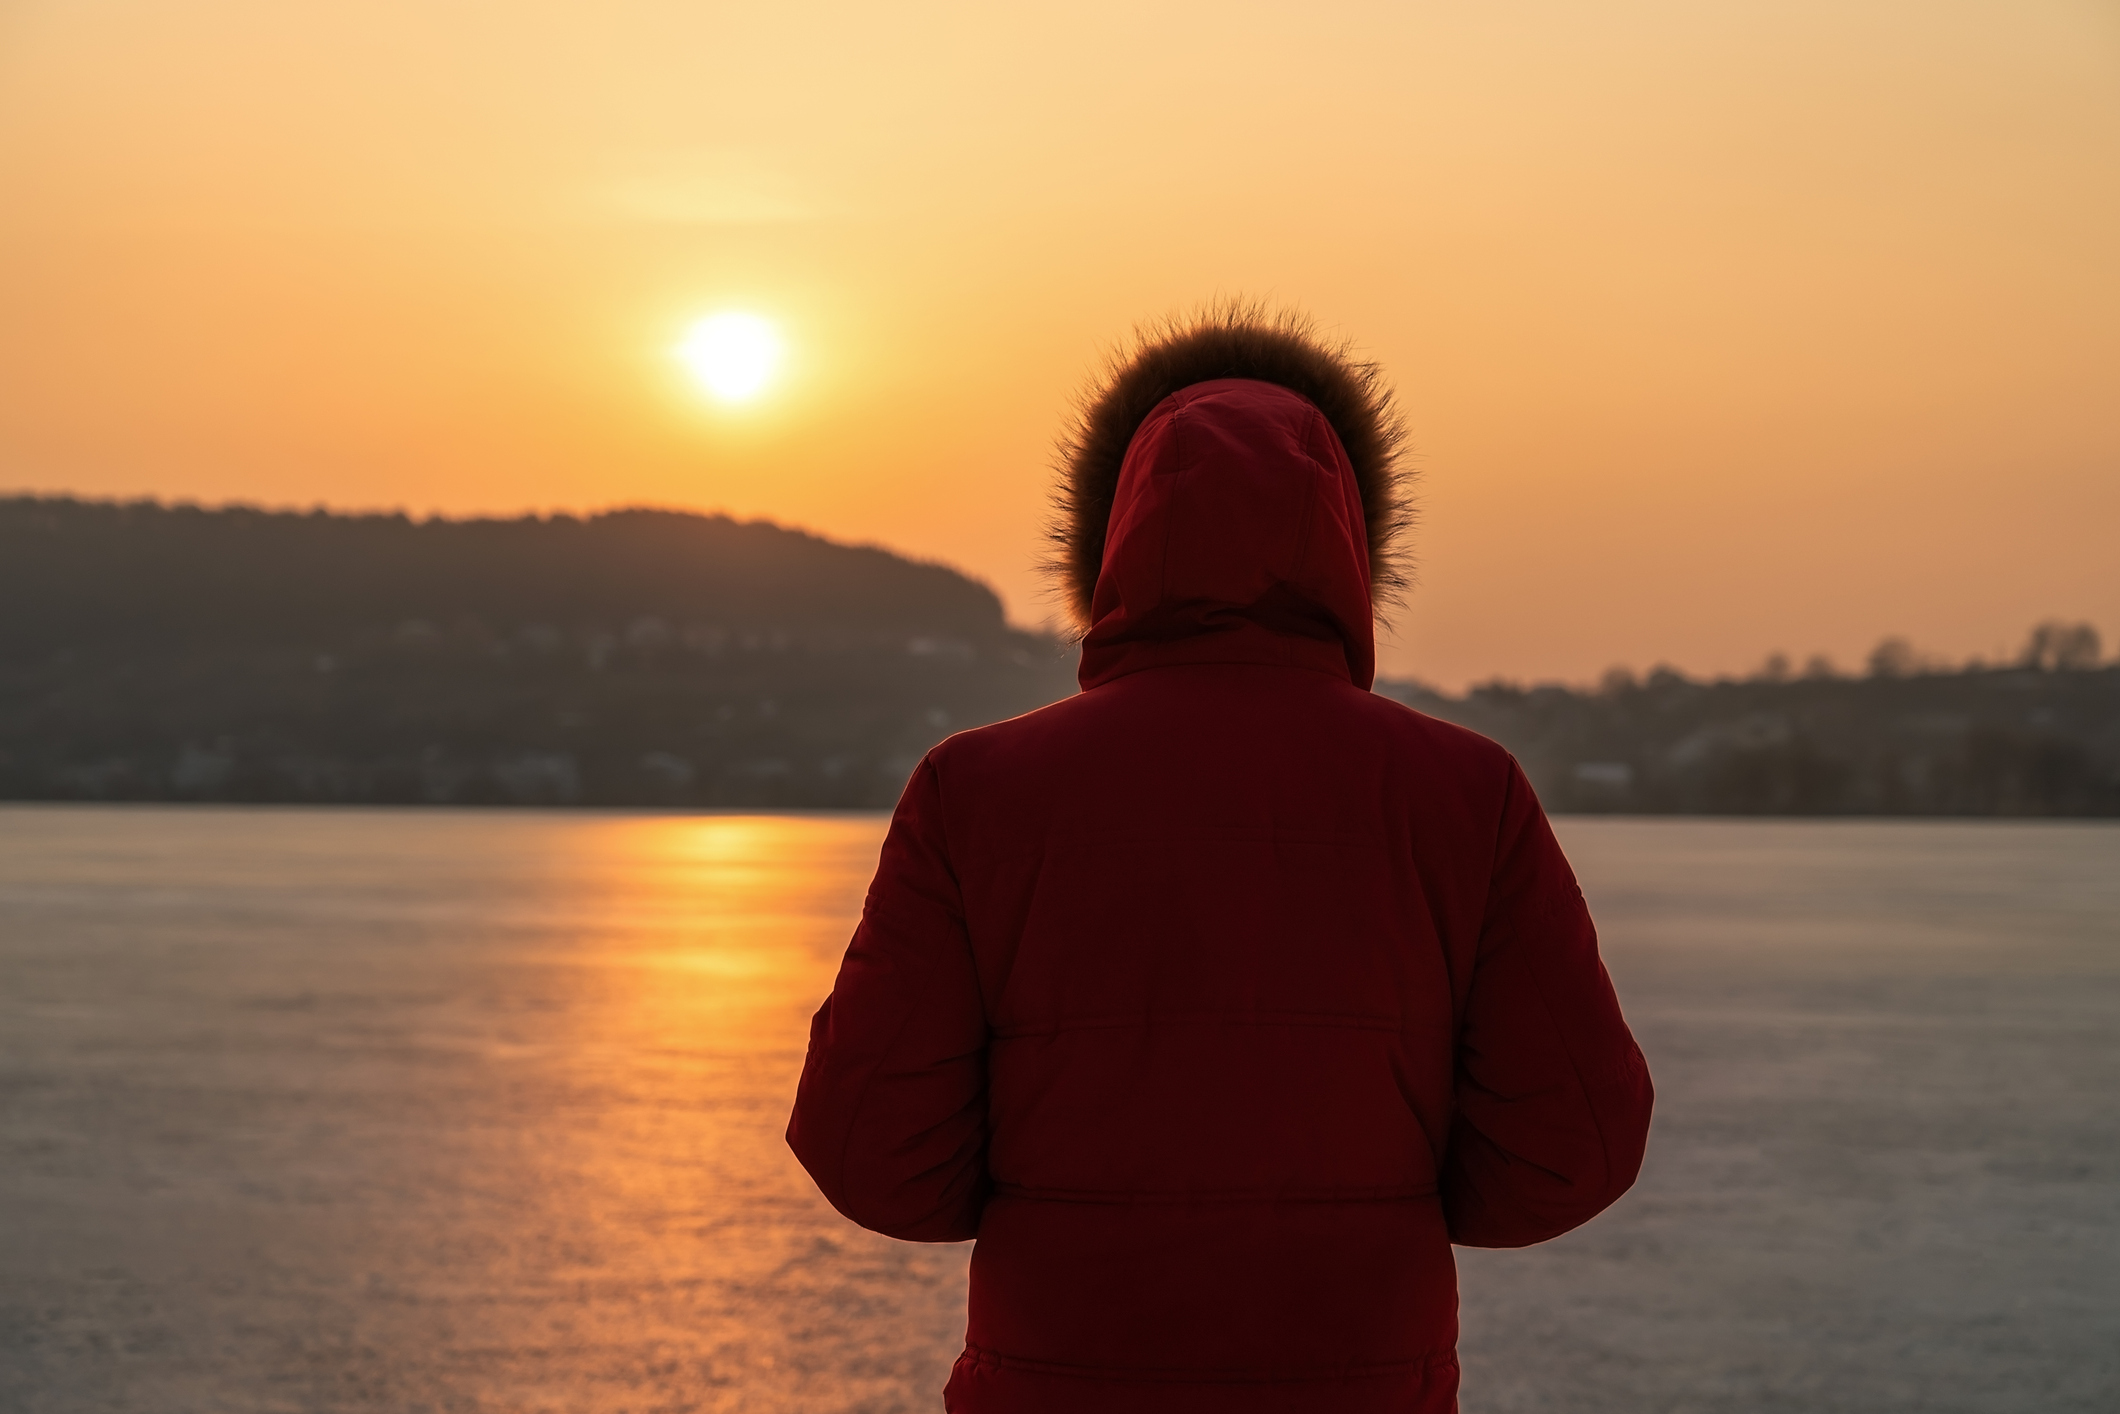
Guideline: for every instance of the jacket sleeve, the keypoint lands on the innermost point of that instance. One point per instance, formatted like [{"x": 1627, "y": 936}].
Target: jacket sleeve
[
  {"x": 890, "y": 1115},
  {"x": 1553, "y": 1096}
]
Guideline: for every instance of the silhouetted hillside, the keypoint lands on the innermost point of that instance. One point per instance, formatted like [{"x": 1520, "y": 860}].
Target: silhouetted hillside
[
  {"x": 77, "y": 573},
  {"x": 151, "y": 652}
]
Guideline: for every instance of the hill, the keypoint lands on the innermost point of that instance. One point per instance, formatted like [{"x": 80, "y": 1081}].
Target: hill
[{"x": 638, "y": 657}]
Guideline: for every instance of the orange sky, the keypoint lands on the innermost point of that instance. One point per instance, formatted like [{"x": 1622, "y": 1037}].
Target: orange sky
[{"x": 1722, "y": 328}]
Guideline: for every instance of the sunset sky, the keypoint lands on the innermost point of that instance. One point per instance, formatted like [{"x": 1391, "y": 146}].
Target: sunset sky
[{"x": 1721, "y": 328}]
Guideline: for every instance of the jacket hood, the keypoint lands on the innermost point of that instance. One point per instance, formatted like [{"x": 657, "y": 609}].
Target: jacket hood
[{"x": 1231, "y": 492}]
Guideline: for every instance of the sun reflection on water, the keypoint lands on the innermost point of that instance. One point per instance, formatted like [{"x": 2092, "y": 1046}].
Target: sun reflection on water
[{"x": 711, "y": 941}]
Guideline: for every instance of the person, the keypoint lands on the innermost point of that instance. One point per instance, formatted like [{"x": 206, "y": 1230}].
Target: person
[{"x": 1218, "y": 1000}]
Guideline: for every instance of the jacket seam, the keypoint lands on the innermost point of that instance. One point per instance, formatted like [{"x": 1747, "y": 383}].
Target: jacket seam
[
  {"x": 1427, "y": 1359},
  {"x": 1323, "y": 1021},
  {"x": 1395, "y": 1193},
  {"x": 1336, "y": 674},
  {"x": 1170, "y": 527},
  {"x": 1310, "y": 508}
]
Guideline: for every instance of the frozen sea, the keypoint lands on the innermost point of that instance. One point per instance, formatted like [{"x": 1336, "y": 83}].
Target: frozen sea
[{"x": 481, "y": 1111}]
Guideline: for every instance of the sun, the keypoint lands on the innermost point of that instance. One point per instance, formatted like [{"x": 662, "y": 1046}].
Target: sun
[{"x": 732, "y": 355}]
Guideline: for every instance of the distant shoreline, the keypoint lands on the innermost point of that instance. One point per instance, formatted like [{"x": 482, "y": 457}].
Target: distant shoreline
[{"x": 662, "y": 660}]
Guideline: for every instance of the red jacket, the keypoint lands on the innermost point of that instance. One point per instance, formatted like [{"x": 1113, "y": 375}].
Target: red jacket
[{"x": 1217, "y": 1001}]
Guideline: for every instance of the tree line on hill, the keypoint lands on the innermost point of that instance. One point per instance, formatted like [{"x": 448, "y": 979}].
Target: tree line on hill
[
  {"x": 654, "y": 658},
  {"x": 640, "y": 657}
]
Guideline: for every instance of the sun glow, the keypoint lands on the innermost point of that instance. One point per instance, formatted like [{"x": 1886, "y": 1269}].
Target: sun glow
[{"x": 732, "y": 355}]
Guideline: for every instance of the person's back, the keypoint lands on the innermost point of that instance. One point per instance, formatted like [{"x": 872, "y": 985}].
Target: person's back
[{"x": 1218, "y": 1000}]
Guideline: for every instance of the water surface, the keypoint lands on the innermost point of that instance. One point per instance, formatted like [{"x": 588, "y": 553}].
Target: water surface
[{"x": 432, "y": 1110}]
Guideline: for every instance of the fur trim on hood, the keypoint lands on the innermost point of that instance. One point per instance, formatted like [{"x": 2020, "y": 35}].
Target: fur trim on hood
[{"x": 1227, "y": 341}]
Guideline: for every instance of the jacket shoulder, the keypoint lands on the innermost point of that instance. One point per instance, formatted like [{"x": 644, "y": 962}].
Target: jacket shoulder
[
  {"x": 1433, "y": 735},
  {"x": 1037, "y": 730}
]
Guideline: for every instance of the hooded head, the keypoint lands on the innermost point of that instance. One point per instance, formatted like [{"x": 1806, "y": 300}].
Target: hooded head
[{"x": 1231, "y": 493}]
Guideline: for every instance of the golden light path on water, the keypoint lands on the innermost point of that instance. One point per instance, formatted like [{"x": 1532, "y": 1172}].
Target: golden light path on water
[{"x": 674, "y": 1217}]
